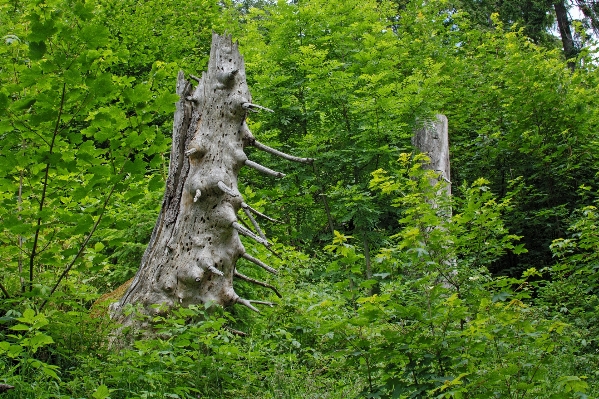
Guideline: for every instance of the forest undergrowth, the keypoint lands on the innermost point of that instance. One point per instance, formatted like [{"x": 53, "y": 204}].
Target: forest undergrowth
[{"x": 390, "y": 289}]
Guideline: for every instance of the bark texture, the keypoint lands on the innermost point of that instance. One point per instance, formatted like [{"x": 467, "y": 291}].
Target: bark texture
[
  {"x": 563, "y": 23},
  {"x": 433, "y": 140},
  {"x": 195, "y": 244}
]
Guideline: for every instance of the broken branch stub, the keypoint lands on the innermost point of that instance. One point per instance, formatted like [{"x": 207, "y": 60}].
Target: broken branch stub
[{"x": 195, "y": 245}]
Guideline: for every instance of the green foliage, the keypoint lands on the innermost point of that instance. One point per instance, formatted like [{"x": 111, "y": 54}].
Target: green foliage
[
  {"x": 431, "y": 237},
  {"x": 520, "y": 114},
  {"x": 22, "y": 352},
  {"x": 332, "y": 101},
  {"x": 73, "y": 135},
  {"x": 349, "y": 88},
  {"x": 578, "y": 255},
  {"x": 571, "y": 293},
  {"x": 125, "y": 235},
  {"x": 534, "y": 16},
  {"x": 168, "y": 31},
  {"x": 448, "y": 330},
  {"x": 406, "y": 298}
]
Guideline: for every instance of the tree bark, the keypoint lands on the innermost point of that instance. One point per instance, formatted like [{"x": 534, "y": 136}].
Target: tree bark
[
  {"x": 195, "y": 245},
  {"x": 433, "y": 139},
  {"x": 565, "y": 32}
]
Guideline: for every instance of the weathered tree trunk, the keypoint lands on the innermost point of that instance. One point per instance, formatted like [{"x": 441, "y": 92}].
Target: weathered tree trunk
[
  {"x": 195, "y": 244},
  {"x": 433, "y": 140}
]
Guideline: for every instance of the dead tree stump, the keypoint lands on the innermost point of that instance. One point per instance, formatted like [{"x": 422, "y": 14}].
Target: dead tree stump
[
  {"x": 433, "y": 140},
  {"x": 195, "y": 244}
]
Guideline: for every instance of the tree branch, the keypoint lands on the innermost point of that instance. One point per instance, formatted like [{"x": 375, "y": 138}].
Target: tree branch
[
  {"x": 44, "y": 189},
  {"x": 255, "y": 107},
  {"x": 247, "y": 303},
  {"x": 254, "y": 223},
  {"x": 213, "y": 270},
  {"x": 250, "y": 234},
  {"x": 263, "y": 169},
  {"x": 235, "y": 332},
  {"x": 278, "y": 153},
  {"x": 257, "y": 282},
  {"x": 5, "y": 388},
  {"x": 258, "y": 262},
  {"x": 244, "y": 205},
  {"x": 262, "y": 303},
  {"x": 224, "y": 188},
  {"x": 82, "y": 247}
]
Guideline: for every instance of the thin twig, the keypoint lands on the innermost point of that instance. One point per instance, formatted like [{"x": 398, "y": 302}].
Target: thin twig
[
  {"x": 20, "y": 237},
  {"x": 31, "y": 130},
  {"x": 258, "y": 262},
  {"x": 244, "y": 205},
  {"x": 82, "y": 247},
  {"x": 263, "y": 169},
  {"x": 83, "y": 103},
  {"x": 248, "y": 233},
  {"x": 44, "y": 189},
  {"x": 272, "y": 251},
  {"x": 254, "y": 222},
  {"x": 326, "y": 204},
  {"x": 235, "y": 332}
]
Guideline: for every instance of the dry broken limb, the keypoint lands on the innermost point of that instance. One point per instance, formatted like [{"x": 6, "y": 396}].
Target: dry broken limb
[
  {"x": 195, "y": 245},
  {"x": 5, "y": 388}
]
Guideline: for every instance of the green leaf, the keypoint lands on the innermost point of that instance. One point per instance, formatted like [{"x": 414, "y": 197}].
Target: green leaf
[
  {"x": 41, "y": 30},
  {"x": 95, "y": 35},
  {"x": 20, "y": 327},
  {"x": 137, "y": 167},
  {"x": 14, "y": 351},
  {"x": 166, "y": 102},
  {"x": 101, "y": 85},
  {"x": 39, "y": 340},
  {"x": 519, "y": 249},
  {"x": 84, "y": 11},
  {"x": 156, "y": 183},
  {"x": 50, "y": 371},
  {"x": 502, "y": 296},
  {"x": 28, "y": 316}
]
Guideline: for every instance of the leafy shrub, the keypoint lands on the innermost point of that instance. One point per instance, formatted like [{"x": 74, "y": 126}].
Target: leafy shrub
[{"x": 445, "y": 328}]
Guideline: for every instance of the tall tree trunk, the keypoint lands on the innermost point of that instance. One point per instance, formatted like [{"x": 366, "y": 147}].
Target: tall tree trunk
[
  {"x": 195, "y": 245},
  {"x": 565, "y": 32}
]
